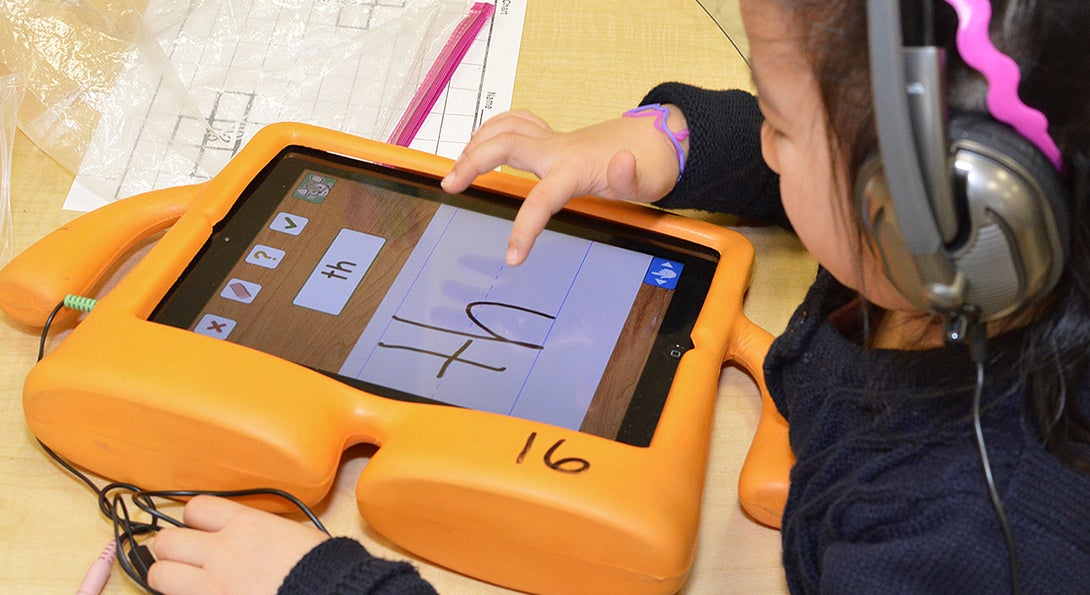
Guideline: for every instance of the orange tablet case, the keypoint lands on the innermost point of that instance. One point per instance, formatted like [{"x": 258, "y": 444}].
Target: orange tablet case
[{"x": 514, "y": 502}]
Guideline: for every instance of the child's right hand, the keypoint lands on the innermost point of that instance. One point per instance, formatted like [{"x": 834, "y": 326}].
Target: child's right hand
[
  {"x": 626, "y": 158},
  {"x": 228, "y": 547}
]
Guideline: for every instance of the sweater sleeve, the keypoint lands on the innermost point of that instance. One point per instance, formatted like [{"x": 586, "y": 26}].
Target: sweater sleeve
[
  {"x": 341, "y": 565},
  {"x": 725, "y": 171}
]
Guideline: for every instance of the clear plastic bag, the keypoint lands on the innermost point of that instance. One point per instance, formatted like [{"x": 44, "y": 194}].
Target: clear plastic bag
[
  {"x": 133, "y": 100},
  {"x": 11, "y": 91}
]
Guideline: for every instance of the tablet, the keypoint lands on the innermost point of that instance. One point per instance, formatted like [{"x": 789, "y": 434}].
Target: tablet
[
  {"x": 544, "y": 427},
  {"x": 390, "y": 285}
]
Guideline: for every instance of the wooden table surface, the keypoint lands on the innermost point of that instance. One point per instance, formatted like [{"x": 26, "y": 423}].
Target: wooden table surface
[{"x": 580, "y": 62}]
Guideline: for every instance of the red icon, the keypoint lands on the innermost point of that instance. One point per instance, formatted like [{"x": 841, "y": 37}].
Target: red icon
[{"x": 240, "y": 291}]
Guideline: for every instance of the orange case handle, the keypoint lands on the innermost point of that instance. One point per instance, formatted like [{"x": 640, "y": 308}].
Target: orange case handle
[
  {"x": 765, "y": 477},
  {"x": 29, "y": 290}
]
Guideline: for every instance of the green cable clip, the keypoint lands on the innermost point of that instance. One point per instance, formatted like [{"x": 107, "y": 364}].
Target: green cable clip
[{"x": 79, "y": 302}]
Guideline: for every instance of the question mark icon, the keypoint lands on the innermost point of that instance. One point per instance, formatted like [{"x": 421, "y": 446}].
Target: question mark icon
[{"x": 265, "y": 256}]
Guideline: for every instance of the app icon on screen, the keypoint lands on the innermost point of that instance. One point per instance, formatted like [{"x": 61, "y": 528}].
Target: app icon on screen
[
  {"x": 265, "y": 256},
  {"x": 217, "y": 327},
  {"x": 314, "y": 187},
  {"x": 663, "y": 273},
  {"x": 288, "y": 223},
  {"x": 240, "y": 291}
]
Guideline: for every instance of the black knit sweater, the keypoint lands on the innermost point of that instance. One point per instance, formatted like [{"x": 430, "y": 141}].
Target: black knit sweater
[{"x": 888, "y": 492}]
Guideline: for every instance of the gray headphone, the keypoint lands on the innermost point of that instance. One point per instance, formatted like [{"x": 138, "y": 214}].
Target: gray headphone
[{"x": 968, "y": 211}]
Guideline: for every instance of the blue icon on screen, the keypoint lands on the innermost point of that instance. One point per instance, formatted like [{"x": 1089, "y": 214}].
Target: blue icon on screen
[{"x": 663, "y": 273}]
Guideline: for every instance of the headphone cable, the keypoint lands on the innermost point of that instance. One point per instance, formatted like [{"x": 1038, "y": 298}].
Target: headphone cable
[
  {"x": 132, "y": 556},
  {"x": 978, "y": 350}
]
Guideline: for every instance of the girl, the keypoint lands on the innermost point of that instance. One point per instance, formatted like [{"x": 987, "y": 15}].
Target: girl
[{"x": 889, "y": 492}]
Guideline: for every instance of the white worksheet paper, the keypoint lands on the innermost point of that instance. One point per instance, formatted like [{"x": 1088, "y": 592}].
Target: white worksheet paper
[{"x": 332, "y": 63}]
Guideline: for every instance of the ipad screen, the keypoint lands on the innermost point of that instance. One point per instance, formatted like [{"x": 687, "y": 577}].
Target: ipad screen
[{"x": 385, "y": 282}]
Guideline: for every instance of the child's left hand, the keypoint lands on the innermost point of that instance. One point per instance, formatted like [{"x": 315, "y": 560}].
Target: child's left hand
[
  {"x": 624, "y": 158},
  {"x": 229, "y": 548}
]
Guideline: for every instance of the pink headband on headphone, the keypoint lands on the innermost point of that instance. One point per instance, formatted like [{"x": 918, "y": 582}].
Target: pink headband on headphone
[{"x": 976, "y": 48}]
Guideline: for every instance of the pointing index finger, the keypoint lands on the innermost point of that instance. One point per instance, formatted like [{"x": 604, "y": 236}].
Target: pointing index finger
[{"x": 543, "y": 201}]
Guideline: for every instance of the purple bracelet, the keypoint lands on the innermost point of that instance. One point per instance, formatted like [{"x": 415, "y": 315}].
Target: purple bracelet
[{"x": 661, "y": 113}]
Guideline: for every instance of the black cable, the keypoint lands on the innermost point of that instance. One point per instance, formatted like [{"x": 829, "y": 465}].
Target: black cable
[
  {"x": 45, "y": 330},
  {"x": 144, "y": 500},
  {"x": 124, "y": 534},
  {"x": 978, "y": 349},
  {"x": 133, "y": 557},
  {"x": 722, "y": 29},
  {"x": 127, "y": 531}
]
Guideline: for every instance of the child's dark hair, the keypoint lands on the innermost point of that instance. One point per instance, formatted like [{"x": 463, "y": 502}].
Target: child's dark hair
[{"x": 1049, "y": 41}]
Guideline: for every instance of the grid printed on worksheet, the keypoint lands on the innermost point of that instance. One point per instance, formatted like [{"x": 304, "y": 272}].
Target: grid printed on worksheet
[{"x": 234, "y": 66}]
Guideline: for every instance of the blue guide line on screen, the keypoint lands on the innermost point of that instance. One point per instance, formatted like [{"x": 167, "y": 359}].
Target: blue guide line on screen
[{"x": 663, "y": 273}]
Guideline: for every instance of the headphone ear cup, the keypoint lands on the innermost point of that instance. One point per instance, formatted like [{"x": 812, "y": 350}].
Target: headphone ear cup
[
  {"x": 979, "y": 130},
  {"x": 1013, "y": 220},
  {"x": 1013, "y": 228}
]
